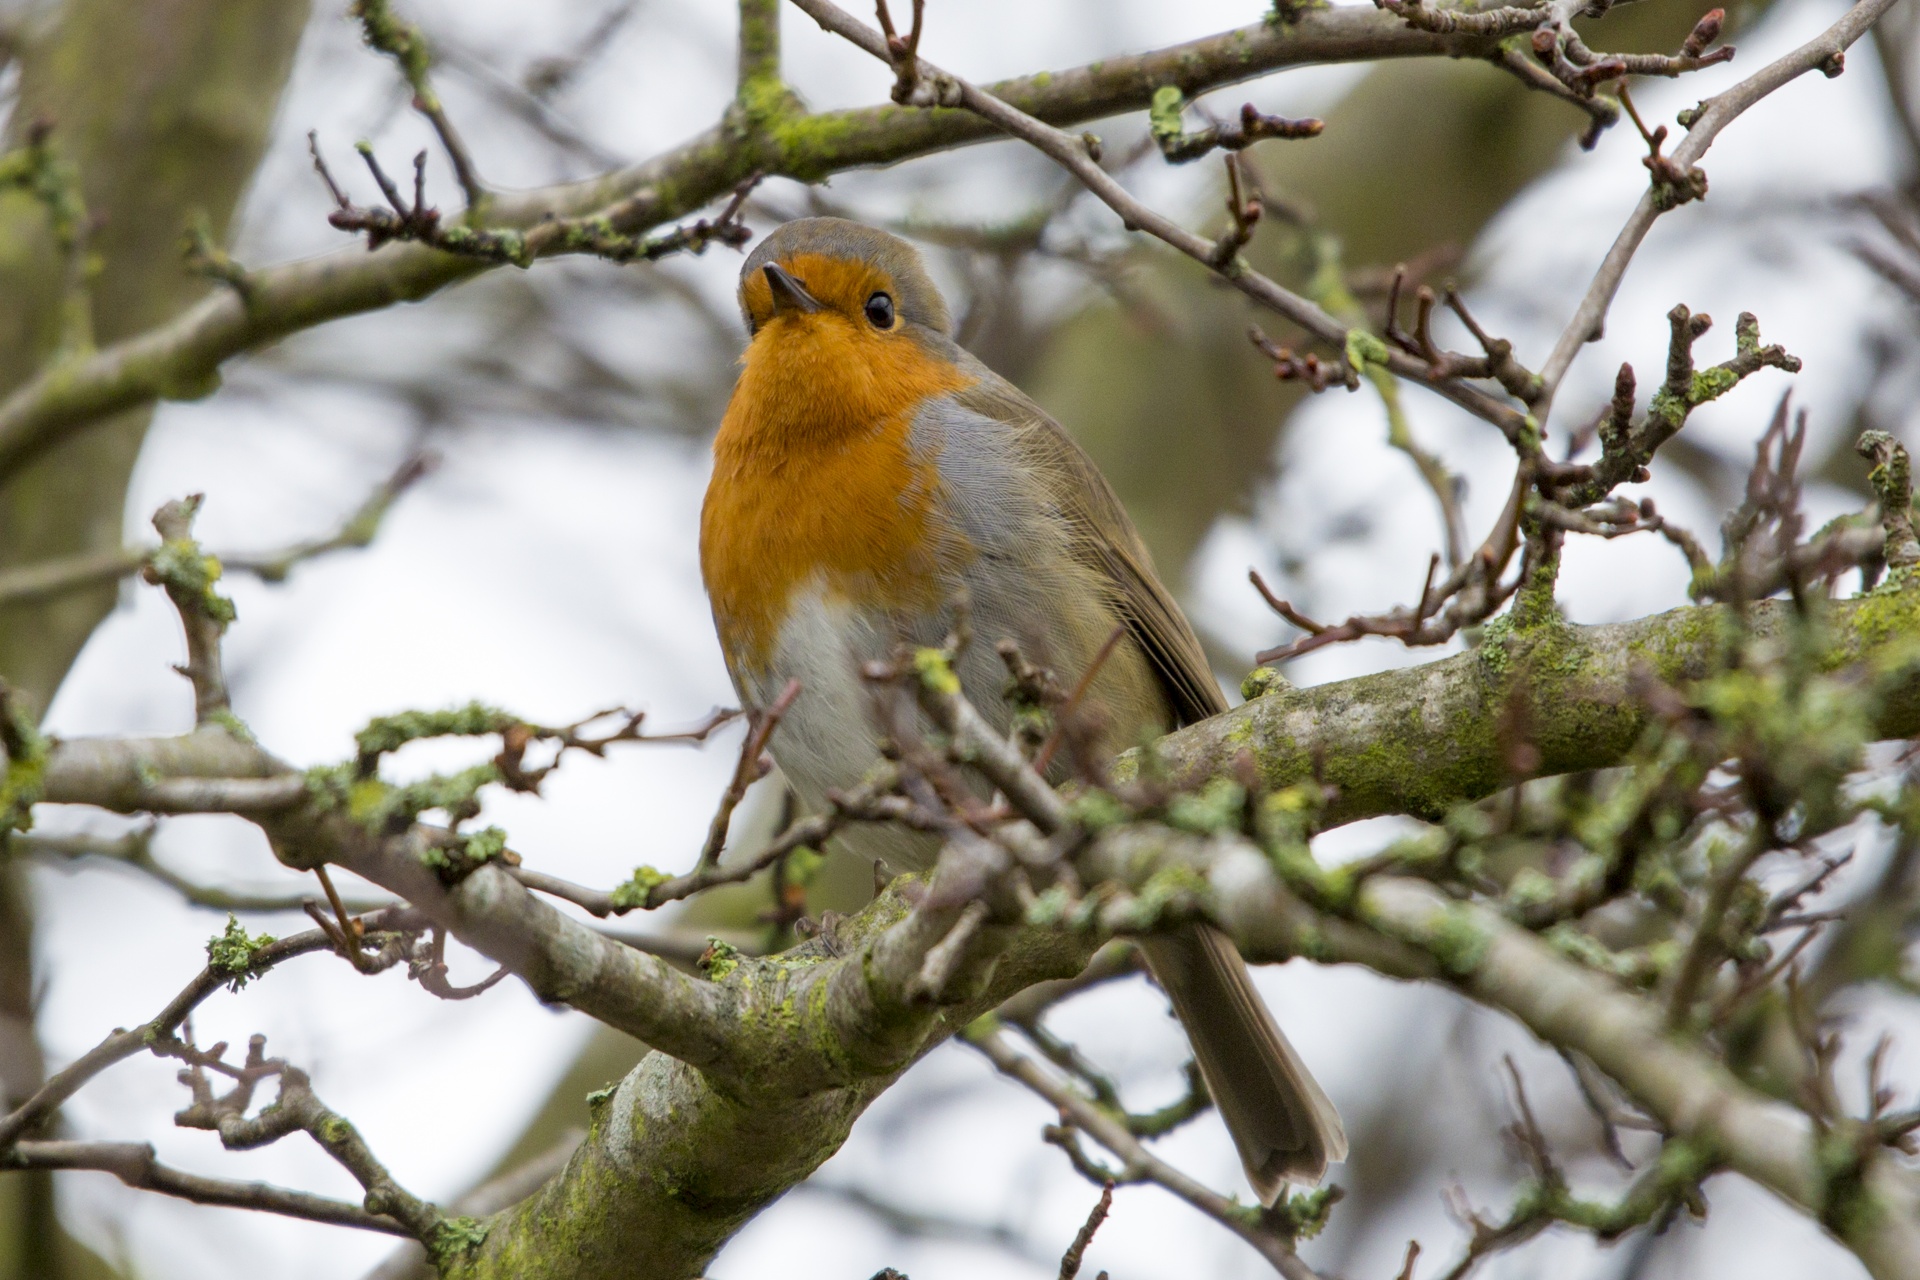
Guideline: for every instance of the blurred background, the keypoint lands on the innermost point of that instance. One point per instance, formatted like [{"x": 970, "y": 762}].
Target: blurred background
[{"x": 548, "y": 563}]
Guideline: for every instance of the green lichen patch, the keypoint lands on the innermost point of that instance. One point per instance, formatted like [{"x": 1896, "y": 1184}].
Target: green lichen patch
[
  {"x": 1284, "y": 13},
  {"x": 385, "y": 734},
  {"x": 935, "y": 670},
  {"x": 234, "y": 954},
  {"x": 1171, "y": 896},
  {"x": 26, "y": 765},
  {"x": 1290, "y": 815},
  {"x": 1051, "y": 908},
  {"x": 235, "y": 727},
  {"x": 384, "y": 808},
  {"x": 1846, "y": 1206},
  {"x": 719, "y": 960},
  {"x": 1164, "y": 113},
  {"x": 189, "y": 574},
  {"x": 467, "y": 853},
  {"x": 1096, "y": 810},
  {"x": 1640, "y": 967},
  {"x": 1365, "y": 349},
  {"x": 636, "y": 891},
  {"x": 1221, "y": 805},
  {"x": 1262, "y": 681},
  {"x": 455, "y": 1237},
  {"x": 400, "y": 41},
  {"x": 1458, "y": 942},
  {"x": 1302, "y": 1215}
]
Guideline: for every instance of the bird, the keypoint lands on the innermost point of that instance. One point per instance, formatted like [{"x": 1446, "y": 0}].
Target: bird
[{"x": 867, "y": 474}]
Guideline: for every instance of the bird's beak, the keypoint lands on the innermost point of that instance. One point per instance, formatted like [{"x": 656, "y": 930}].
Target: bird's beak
[{"x": 789, "y": 295}]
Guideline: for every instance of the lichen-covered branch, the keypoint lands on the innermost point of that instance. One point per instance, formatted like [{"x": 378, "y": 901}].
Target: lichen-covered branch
[
  {"x": 1408, "y": 929},
  {"x": 1423, "y": 739},
  {"x": 777, "y": 1056}
]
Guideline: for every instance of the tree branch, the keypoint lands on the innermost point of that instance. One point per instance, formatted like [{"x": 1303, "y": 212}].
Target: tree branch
[
  {"x": 1138, "y": 1163},
  {"x": 759, "y": 46},
  {"x": 1078, "y": 157},
  {"x": 134, "y": 1164},
  {"x": 56, "y": 577},
  {"x": 1703, "y": 124},
  {"x": 181, "y": 359},
  {"x": 1422, "y": 739},
  {"x": 1408, "y": 929}
]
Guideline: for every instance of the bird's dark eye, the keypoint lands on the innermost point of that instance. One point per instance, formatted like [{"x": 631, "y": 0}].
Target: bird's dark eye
[{"x": 880, "y": 311}]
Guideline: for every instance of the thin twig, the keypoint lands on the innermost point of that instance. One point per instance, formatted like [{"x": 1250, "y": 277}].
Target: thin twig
[
  {"x": 134, "y": 1163},
  {"x": 1703, "y": 124},
  {"x": 761, "y": 723},
  {"x": 1070, "y": 1260},
  {"x": 1072, "y": 154},
  {"x": 1139, "y": 1163}
]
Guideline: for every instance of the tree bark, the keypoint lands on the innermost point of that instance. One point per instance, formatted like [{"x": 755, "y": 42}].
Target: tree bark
[{"x": 164, "y": 107}]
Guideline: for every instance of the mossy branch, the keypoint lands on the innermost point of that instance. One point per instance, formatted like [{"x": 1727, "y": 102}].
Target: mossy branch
[
  {"x": 1892, "y": 482},
  {"x": 777, "y": 1056},
  {"x": 1407, "y": 929},
  {"x": 1423, "y": 739},
  {"x": 759, "y": 46}
]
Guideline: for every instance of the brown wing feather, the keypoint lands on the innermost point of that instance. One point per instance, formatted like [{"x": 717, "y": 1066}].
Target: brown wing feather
[
  {"x": 1109, "y": 543},
  {"x": 1281, "y": 1120}
]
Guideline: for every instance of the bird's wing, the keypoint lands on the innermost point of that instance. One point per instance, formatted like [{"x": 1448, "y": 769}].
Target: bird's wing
[{"x": 1105, "y": 539}]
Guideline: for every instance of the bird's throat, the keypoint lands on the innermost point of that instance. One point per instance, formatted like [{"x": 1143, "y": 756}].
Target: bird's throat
[{"x": 815, "y": 480}]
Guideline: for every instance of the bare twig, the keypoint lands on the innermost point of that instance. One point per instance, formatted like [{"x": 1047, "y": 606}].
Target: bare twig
[
  {"x": 1139, "y": 1163},
  {"x": 403, "y": 42},
  {"x": 401, "y": 219},
  {"x": 1703, "y": 124},
  {"x": 1072, "y": 154},
  {"x": 51, "y": 578},
  {"x": 752, "y": 766},
  {"x": 134, "y": 1163},
  {"x": 188, "y": 574},
  {"x": 229, "y": 963},
  {"x": 135, "y": 850},
  {"x": 1070, "y": 1260},
  {"x": 871, "y": 801}
]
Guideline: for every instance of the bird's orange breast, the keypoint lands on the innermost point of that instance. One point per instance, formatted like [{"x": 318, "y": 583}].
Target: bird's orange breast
[{"x": 815, "y": 479}]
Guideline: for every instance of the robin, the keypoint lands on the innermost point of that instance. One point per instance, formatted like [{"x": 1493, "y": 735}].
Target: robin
[{"x": 867, "y": 473}]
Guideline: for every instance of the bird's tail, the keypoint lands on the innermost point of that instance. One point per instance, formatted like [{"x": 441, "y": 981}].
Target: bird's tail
[{"x": 1281, "y": 1120}]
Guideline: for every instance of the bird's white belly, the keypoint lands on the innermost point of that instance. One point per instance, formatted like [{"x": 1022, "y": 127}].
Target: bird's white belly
[{"x": 829, "y": 738}]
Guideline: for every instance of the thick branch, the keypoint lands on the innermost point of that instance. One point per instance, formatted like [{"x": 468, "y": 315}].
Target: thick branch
[
  {"x": 675, "y": 1164},
  {"x": 777, "y": 1056},
  {"x": 1423, "y": 739}
]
